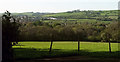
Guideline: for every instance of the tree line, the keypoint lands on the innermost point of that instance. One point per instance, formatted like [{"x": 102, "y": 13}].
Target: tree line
[{"x": 57, "y": 31}]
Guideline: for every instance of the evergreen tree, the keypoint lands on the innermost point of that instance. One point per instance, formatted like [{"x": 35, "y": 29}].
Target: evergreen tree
[{"x": 9, "y": 34}]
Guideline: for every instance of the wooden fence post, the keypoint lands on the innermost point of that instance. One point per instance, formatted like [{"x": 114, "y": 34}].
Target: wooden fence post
[
  {"x": 51, "y": 46},
  {"x": 78, "y": 45},
  {"x": 109, "y": 47}
]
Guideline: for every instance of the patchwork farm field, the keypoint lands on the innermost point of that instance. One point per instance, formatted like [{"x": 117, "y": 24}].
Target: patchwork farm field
[{"x": 33, "y": 50}]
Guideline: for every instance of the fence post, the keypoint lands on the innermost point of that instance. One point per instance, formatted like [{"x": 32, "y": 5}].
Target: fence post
[
  {"x": 78, "y": 45},
  {"x": 109, "y": 47},
  {"x": 51, "y": 46}
]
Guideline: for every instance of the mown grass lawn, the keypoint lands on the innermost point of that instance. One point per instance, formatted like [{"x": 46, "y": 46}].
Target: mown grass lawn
[{"x": 30, "y": 50}]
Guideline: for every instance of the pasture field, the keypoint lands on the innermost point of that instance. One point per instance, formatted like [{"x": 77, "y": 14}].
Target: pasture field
[
  {"x": 31, "y": 50},
  {"x": 113, "y": 12},
  {"x": 77, "y": 20}
]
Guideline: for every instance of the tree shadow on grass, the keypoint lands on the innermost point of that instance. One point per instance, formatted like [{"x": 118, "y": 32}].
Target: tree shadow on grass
[
  {"x": 101, "y": 54},
  {"x": 32, "y": 53}
]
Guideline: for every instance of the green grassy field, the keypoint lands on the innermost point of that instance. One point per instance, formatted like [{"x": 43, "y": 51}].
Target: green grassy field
[
  {"x": 77, "y": 20},
  {"x": 30, "y": 50},
  {"x": 65, "y": 14}
]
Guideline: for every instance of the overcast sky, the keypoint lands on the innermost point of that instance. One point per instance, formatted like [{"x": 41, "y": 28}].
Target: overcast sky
[{"x": 56, "y": 5}]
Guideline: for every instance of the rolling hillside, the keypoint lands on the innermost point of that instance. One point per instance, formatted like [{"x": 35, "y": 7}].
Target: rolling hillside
[{"x": 85, "y": 14}]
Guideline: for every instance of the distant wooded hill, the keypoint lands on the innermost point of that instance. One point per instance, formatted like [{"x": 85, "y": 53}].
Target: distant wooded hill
[{"x": 107, "y": 15}]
